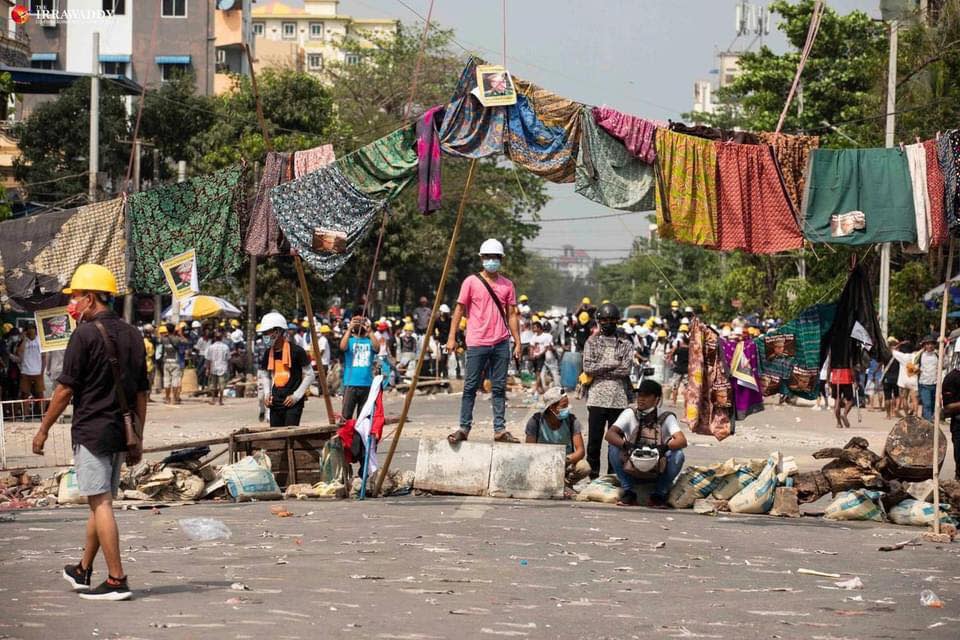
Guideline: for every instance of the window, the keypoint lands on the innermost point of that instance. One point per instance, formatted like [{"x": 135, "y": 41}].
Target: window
[
  {"x": 258, "y": 29},
  {"x": 115, "y": 6},
  {"x": 316, "y": 31},
  {"x": 43, "y": 5},
  {"x": 174, "y": 8},
  {"x": 113, "y": 68},
  {"x": 352, "y": 58},
  {"x": 171, "y": 71},
  {"x": 315, "y": 61},
  {"x": 289, "y": 30},
  {"x": 43, "y": 64}
]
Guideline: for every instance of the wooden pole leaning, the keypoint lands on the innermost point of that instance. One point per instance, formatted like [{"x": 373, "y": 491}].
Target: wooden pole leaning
[
  {"x": 382, "y": 473},
  {"x": 938, "y": 400}
]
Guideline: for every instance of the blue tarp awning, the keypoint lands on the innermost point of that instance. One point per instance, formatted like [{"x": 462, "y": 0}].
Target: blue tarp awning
[
  {"x": 114, "y": 57},
  {"x": 173, "y": 59},
  {"x": 31, "y": 81},
  {"x": 44, "y": 57}
]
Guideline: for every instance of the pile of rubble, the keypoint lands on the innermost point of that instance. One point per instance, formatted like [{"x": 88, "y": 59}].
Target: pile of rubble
[{"x": 21, "y": 490}]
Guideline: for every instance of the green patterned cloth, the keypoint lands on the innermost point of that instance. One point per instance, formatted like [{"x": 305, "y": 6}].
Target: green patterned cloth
[
  {"x": 202, "y": 213},
  {"x": 383, "y": 168},
  {"x": 808, "y": 328},
  {"x": 609, "y": 174}
]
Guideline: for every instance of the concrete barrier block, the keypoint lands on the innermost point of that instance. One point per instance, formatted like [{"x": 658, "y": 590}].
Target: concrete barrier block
[
  {"x": 527, "y": 471},
  {"x": 462, "y": 469}
]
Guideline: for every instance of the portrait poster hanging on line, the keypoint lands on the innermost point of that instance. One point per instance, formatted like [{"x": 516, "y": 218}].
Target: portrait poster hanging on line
[
  {"x": 181, "y": 274},
  {"x": 54, "y": 328}
]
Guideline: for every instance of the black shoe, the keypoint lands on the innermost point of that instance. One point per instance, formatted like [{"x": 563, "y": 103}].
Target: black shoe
[
  {"x": 109, "y": 589},
  {"x": 77, "y": 577}
]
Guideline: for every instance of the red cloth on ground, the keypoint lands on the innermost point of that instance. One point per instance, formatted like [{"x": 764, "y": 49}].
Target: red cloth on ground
[
  {"x": 938, "y": 216},
  {"x": 347, "y": 431},
  {"x": 754, "y": 212}
]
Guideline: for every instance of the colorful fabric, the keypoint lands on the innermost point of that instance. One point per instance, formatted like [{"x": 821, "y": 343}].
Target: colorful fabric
[
  {"x": 874, "y": 181},
  {"x": 280, "y": 368},
  {"x": 202, "y": 213},
  {"x": 808, "y": 330},
  {"x": 917, "y": 165},
  {"x": 637, "y": 134},
  {"x": 323, "y": 199},
  {"x": 607, "y": 172},
  {"x": 543, "y": 133},
  {"x": 948, "y": 148},
  {"x": 715, "y": 134},
  {"x": 94, "y": 233},
  {"x": 383, "y": 168},
  {"x": 938, "y": 219},
  {"x": 754, "y": 213},
  {"x": 428, "y": 158},
  {"x": 263, "y": 234},
  {"x": 792, "y": 154},
  {"x": 312, "y": 159},
  {"x": 469, "y": 130},
  {"x": 686, "y": 188},
  {"x": 742, "y": 359},
  {"x": 705, "y": 370}
]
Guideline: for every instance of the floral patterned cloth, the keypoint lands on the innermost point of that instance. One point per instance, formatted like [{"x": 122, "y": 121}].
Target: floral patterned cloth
[
  {"x": 383, "y": 168},
  {"x": 202, "y": 213},
  {"x": 938, "y": 220},
  {"x": 543, "y": 132},
  {"x": 792, "y": 153},
  {"x": 429, "y": 194},
  {"x": 312, "y": 159},
  {"x": 686, "y": 188},
  {"x": 637, "y": 134},
  {"x": 324, "y": 199},
  {"x": 705, "y": 369},
  {"x": 608, "y": 173},
  {"x": 263, "y": 234},
  {"x": 948, "y": 149},
  {"x": 468, "y": 129}
]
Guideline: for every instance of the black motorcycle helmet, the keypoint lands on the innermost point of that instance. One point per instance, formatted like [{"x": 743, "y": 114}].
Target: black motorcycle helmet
[{"x": 608, "y": 312}]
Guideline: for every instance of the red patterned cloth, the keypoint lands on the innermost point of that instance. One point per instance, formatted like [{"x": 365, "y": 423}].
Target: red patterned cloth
[
  {"x": 754, "y": 213},
  {"x": 938, "y": 216}
]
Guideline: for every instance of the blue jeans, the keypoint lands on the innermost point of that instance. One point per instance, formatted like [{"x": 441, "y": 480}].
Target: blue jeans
[
  {"x": 493, "y": 361},
  {"x": 928, "y": 395},
  {"x": 665, "y": 480}
]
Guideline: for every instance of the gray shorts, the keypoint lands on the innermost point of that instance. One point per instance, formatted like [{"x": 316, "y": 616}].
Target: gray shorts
[
  {"x": 97, "y": 474},
  {"x": 218, "y": 381}
]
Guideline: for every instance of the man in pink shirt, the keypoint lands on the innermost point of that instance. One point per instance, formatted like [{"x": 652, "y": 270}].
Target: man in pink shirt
[{"x": 489, "y": 302}]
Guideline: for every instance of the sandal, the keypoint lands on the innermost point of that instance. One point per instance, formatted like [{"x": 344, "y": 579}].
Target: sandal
[
  {"x": 506, "y": 436},
  {"x": 457, "y": 437}
]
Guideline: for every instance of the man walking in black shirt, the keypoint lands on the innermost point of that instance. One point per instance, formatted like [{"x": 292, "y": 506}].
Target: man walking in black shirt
[{"x": 98, "y": 432}]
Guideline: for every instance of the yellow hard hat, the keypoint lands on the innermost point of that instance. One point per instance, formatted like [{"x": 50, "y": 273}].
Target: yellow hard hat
[
  {"x": 534, "y": 319},
  {"x": 92, "y": 277},
  {"x": 257, "y": 328},
  {"x": 305, "y": 324},
  {"x": 604, "y": 302},
  {"x": 7, "y": 326},
  {"x": 524, "y": 298},
  {"x": 223, "y": 324},
  {"x": 235, "y": 323},
  {"x": 585, "y": 301},
  {"x": 325, "y": 329},
  {"x": 584, "y": 317},
  {"x": 163, "y": 330},
  {"x": 463, "y": 323},
  {"x": 632, "y": 321},
  {"x": 408, "y": 326},
  {"x": 674, "y": 304},
  {"x": 662, "y": 334},
  {"x": 181, "y": 325},
  {"x": 684, "y": 328},
  {"x": 407, "y": 319},
  {"x": 585, "y": 378}
]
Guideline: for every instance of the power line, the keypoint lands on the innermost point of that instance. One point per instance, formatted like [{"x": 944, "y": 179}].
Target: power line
[{"x": 596, "y": 217}]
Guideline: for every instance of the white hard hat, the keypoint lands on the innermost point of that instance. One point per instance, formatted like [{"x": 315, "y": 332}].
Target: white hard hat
[
  {"x": 444, "y": 309},
  {"x": 684, "y": 320},
  {"x": 643, "y": 331},
  {"x": 196, "y": 324},
  {"x": 491, "y": 247},
  {"x": 272, "y": 320},
  {"x": 688, "y": 310},
  {"x": 628, "y": 328},
  {"x": 645, "y": 458}
]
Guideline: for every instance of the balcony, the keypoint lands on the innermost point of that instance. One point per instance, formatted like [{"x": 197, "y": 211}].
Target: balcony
[{"x": 14, "y": 48}]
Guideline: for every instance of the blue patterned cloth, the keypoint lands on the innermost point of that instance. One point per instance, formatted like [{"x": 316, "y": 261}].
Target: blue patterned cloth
[{"x": 469, "y": 129}]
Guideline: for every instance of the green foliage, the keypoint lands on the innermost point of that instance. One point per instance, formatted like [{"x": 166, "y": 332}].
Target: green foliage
[
  {"x": 909, "y": 317},
  {"x": 55, "y": 142},
  {"x": 172, "y": 116}
]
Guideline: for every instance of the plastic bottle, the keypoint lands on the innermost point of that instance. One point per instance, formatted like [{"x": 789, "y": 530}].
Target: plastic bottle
[{"x": 930, "y": 599}]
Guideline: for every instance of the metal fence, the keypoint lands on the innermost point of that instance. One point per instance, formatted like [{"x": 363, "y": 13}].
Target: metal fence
[{"x": 19, "y": 421}]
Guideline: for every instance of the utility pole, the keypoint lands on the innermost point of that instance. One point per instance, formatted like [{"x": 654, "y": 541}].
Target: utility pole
[
  {"x": 174, "y": 303},
  {"x": 885, "y": 249},
  {"x": 128, "y": 299},
  {"x": 94, "y": 160},
  {"x": 246, "y": 35},
  {"x": 157, "y": 298}
]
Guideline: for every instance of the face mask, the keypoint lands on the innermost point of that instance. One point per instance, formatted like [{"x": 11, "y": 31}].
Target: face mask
[
  {"x": 73, "y": 310},
  {"x": 563, "y": 414},
  {"x": 268, "y": 341},
  {"x": 491, "y": 266},
  {"x": 608, "y": 329},
  {"x": 646, "y": 412}
]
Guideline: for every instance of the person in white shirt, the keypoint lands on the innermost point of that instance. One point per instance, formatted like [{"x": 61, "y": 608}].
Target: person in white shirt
[
  {"x": 541, "y": 350},
  {"x": 237, "y": 336},
  {"x": 645, "y": 426},
  {"x": 324, "y": 344},
  {"x": 32, "y": 364},
  {"x": 218, "y": 367},
  {"x": 908, "y": 379},
  {"x": 927, "y": 361}
]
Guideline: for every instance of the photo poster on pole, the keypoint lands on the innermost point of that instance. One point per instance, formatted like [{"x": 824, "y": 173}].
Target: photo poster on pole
[
  {"x": 54, "y": 328},
  {"x": 495, "y": 87},
  {"x": 181, "y": 274}
]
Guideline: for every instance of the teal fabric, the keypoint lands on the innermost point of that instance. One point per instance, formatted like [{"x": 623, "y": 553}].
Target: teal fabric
[
  {"x": 609, "y": 174},
  {"x": 808, "y": 329},
  {"x": 874, "y": 181},
  {"x": 563, "y": 435}
]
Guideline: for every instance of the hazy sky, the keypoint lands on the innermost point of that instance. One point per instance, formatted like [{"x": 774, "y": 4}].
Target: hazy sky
[{"x": 639, "y": 56}]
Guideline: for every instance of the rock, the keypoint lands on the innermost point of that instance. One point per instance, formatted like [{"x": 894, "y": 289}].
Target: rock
[{"x": 786, "y": 503}]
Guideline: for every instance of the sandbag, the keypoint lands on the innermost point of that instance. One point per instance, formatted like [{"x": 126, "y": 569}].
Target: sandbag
[
  {"x": 758, "y": 496},
  {"x": 916, "y": 513},
  {"x": 249, "y": 480},
  {"x": 332, "y": 462},
  {"x": 693, "y": 484},
  {"x": 861, "y": 504},
  {"x": 604, "y": 489},
  {"x": 746, "y": 472},
  {"x": 69, "y": 493}
]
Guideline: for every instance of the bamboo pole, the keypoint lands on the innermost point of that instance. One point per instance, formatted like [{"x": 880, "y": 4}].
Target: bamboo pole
[
  {"x": 938, "y": 401},
  {"x": 430, "y": 326}
]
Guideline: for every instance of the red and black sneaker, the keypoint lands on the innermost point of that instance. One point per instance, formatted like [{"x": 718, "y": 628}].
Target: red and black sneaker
[
  {"x": 77, "y": 576},
  {"x": 110, "y": 589}
]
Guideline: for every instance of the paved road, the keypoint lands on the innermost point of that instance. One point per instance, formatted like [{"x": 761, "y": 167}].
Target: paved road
[{"x": 444, "y": 567}]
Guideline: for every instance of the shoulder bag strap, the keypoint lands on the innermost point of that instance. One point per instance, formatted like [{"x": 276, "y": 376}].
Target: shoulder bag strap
[
  {"x": 496, "y": 300},
  {"x": 114, "y": 366}
]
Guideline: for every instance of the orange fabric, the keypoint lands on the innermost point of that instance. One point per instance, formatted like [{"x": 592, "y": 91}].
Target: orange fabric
[
  {"x": 841, "y": 376},
  {"x": 281, "y": 368}
]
